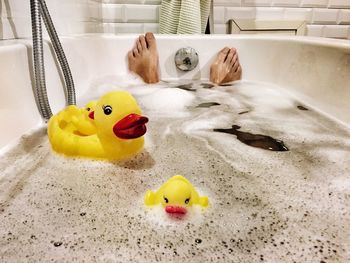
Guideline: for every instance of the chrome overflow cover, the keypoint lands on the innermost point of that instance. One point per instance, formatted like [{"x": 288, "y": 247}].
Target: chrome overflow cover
[{"x": 186, "y": 59}]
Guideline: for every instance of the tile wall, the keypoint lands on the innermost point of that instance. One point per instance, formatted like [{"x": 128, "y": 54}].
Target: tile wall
[
  {"x": 69, "y": 17},
  {"x": 129, "y": 16},
  {"x": 325, "y": 18}
]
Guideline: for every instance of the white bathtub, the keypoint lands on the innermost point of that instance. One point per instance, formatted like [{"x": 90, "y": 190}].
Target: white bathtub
[
  {"x": 314, "y": 69},
  {"x": 264, "y": 206}
]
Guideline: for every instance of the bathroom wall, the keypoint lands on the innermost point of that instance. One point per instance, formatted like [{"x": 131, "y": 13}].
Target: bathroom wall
[
  {"x": 69, "y": 17},
  {"x": 129, "y": 16},
  {"x": 326, "y": 18}
]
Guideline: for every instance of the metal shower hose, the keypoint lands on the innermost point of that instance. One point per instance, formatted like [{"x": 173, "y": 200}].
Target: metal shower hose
[{"x": 40, "y": 92}]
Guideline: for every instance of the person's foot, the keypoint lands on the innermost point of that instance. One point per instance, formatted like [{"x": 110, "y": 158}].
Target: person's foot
[
  {"x": 143, "y": 58},
  {"x": 226, "y": 67}
]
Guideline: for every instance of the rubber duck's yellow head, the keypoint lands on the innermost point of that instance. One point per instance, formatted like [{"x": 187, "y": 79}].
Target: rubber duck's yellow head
[
  {"x": 85, "y": 124},
  {"x": 89, "y": 108},
  {"x": 117, "y": 115},
  {"x": 176, "y": 195}
]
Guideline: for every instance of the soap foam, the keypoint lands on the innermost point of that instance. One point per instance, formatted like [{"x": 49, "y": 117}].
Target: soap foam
[{"x": 263, "y": 205}]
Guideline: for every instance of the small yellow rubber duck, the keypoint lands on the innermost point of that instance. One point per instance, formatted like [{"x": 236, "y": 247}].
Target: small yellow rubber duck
[
  {"x": 176, "y": 195},
  {"x": 119, "y": 129}
]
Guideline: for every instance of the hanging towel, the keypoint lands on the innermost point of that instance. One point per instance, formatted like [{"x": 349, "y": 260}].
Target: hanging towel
[{"x": 184, "y": 16}]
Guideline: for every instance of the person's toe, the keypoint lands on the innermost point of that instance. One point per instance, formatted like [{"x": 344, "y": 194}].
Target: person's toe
[
  {"x": 135, "y": 52},
  {"x": 131, "y": 60},
  {"x": 223, "y": 54},
  {"x": 150, "y": 41},
  {"x": 239, "y": 69},
  {"x": 234, "y": 59},
  {"x": 230, "y": 57},
  {"x": 142, "y": 40},
  {"x": 235, "y": 65},
  {"x": 139, "y": 46},
  {"x": 130, "y": 55}
]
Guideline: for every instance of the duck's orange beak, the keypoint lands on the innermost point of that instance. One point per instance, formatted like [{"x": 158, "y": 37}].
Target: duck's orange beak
[
  {"x": 92, "y": 115},
  {"x": 178, "y": 210},
  {"x": 131, "y": 126}
]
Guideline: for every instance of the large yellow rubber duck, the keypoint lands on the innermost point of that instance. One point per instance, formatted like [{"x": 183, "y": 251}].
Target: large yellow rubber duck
[
  {"x": 119, "y": 129},
  {"x": 176, "y": 195}
]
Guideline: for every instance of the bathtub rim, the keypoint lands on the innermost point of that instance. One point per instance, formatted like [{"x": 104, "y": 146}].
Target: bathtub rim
[{"x": 319, "y": 41}]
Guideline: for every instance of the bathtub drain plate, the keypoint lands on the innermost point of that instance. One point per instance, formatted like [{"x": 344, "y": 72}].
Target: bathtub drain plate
[{"x": 186, "y": 59}]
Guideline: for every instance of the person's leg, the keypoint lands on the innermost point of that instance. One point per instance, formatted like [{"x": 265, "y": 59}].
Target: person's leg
[
  {"x": 226, "y": 67},
  {"x": 143, "y": 58}
]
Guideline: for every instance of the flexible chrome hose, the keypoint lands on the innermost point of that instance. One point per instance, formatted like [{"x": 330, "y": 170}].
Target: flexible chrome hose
[
  {"x": 38, "y": 54},
  {"x": 69, "y": 87}
]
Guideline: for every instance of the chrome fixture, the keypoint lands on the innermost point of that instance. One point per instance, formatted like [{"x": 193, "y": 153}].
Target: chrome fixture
[
  {"x": 186, "y": 59},
  {"x": 38, "y": 9}
]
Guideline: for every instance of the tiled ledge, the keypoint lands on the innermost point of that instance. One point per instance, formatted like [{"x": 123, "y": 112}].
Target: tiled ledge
[
  {"x": 321, "y": 22},
  {"x": 311, "y": 15},
  {"x": 286, "y": 3}
]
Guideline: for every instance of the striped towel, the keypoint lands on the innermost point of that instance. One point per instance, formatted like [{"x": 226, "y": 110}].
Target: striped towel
[{"x": 184, "y": 16}]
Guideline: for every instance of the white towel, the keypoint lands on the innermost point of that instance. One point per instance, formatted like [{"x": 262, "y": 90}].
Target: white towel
[{"x": 184, "y": 16}]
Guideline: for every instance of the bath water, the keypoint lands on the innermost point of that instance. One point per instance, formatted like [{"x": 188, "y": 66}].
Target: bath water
[{"x": 265, "y": 205}]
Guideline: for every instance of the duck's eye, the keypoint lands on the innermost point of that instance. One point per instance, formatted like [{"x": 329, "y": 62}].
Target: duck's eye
[
  {"x": 107, "y": 109},
  {"x": 166, "y": 200},
  {"x": 88, "y": 109},
  {"x": 187, "y": 200}
]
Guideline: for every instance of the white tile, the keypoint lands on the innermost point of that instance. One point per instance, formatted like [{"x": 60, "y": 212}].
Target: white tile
[
  {"x": 314, "y": 30},
  {"x": 227, "y": 2},
  {"x": 15, "y": 28},
  {"x": 314, "y": 3},
  {"x": 151, "y": 27},
  {"x": 220, "y": 29},
  {"x": 339, "y": 3},
  {"x": 113, "y": 13},
  {"x": 134, "y": 1},
  {"x": 99, "y": 28},
  {"x": 298, "y": 14},
  {"x": 286, "y": 3},
  {"x": 129, "y": 1},
  {"x": 14, "y": 8},
  {"x": 324, "y": 16},
  {"x": 256, "y": 2},
  {"x": 269, "y": 13},
  {"x": 125, "y": 28},
  {"x": 95, "y": 10},
  {"x": 69, "y": 16},
  {"x": 239, "y": 13},
  {"x": 219, "y": 14},
  {"x": 336, "y": 31},
  {"x": 79, "y": 27},
  {"x": 124, "y": 1},
  {"x": 110, "y": 28},
  {"x": 153, "y": 2},
  {"x": 142, "y": 13},
  {"x": 111, "y": 1},
  {"x": 61, "y": 10},
  {"x": 344, "y": 17},
  {"x": 74, "y": 10}
]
